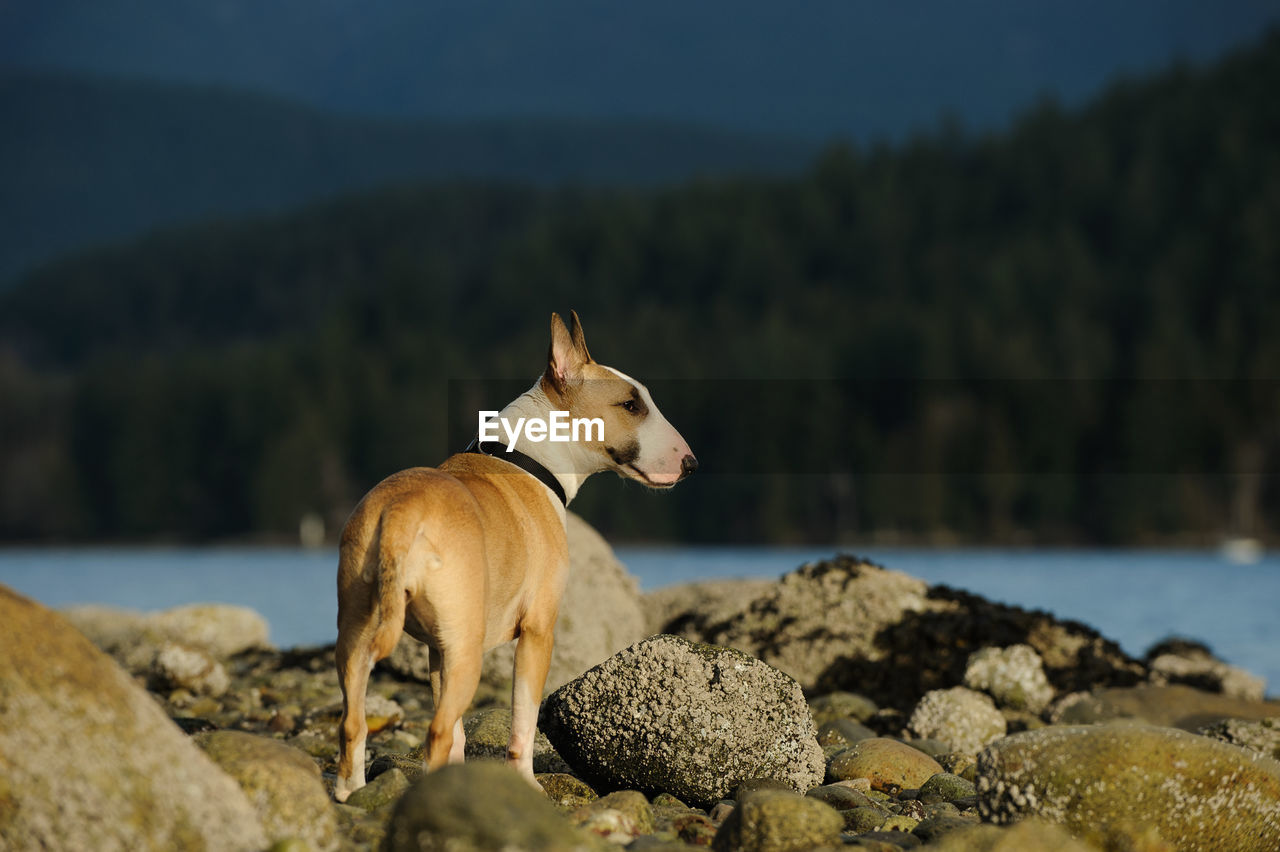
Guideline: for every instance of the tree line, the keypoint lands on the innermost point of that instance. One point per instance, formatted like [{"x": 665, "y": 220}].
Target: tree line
[{"x": 1062, "y": 333}]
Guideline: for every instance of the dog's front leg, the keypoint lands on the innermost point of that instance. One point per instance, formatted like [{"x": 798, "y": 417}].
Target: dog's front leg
[{"x": 533, "y": 659}]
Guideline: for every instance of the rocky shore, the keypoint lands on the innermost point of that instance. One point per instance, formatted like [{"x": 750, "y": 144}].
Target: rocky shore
[{"x": 843, "y": 706}]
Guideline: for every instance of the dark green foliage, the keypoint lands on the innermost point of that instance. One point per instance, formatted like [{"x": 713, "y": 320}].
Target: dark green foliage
[{"x": 1068, "y": 333}]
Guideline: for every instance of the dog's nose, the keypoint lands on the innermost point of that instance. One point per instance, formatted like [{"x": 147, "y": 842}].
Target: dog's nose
[{"x": 688, "y": 465}]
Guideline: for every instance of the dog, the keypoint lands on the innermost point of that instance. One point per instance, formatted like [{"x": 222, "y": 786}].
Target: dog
[{"x": 473, "y": 553}]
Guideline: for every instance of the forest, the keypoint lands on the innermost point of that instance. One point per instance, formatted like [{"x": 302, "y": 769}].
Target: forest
[{"x": 1064, "y": 333}]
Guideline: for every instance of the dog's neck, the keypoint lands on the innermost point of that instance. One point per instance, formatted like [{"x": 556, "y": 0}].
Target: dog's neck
[{"x": 566, "y": 461}]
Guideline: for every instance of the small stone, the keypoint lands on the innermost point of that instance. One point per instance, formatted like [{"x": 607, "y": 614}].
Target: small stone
[
  {"x": 776, "y": 821},
  {"x": 843, "y": 732},
  {"x": 1031, "y": 835},
  {"x": 476, "y": 806},
  {"x": 899, "y": 822},
  {"x": 753, "y": 785},
  {"x": 632, "y": 803},
  {"x": 947, "y": 787},
  {"x": 956, "y": 762},
  {"x": 565, "y": 791},
  {"x": 888, "y": 764},
  {"x": 965, "y": 719},
  {"x": 929, "y": 746},
  {"x": 862, "y": 819},
  {"x": 608, "y": 823},
  {"x": 840, "y": 797},
  {"x": 694, "y": 829},
  {"x": 179, "y": 667},
  {"x": 933, "y": 827},
  {"x": 841, "y": 705},
  {"x": 1014, "y": 676},
  {"x": 666, "y": 800},
  {"x": 383, "y": 790}
]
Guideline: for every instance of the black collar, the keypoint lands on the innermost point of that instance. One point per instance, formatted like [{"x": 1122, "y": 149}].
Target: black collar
[{"x": 500, "y": 451}]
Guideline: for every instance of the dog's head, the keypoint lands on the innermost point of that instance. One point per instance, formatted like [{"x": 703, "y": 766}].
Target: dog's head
[{"x": 637, "y": 441}]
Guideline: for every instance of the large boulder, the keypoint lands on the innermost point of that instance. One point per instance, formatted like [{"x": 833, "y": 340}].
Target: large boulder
[
  {"x": 1107, "y": 781},
  {"x": 666, "y": 715},
  {"x": 848, "y": 624},
  {"x": 477, "y": 807},
  {"x": 87, "y": 758},
  {"x": 282, "y": 783},
  {"x": 600, "y": 614},
  {"x": 1189, "y": 662},
  {"x": 1174, "y": 706},
  {"x": 135, "y": 638}
]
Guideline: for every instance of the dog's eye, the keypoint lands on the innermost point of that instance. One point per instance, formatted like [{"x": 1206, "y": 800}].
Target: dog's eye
[{"x": 629, "y": 405}]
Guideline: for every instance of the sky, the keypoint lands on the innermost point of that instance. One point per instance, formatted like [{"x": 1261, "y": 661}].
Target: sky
[{"x": 818, "y": 68}]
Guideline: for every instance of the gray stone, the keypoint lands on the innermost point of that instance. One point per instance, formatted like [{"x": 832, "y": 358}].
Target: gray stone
[
  {"x": 1261, "y": 736},
  {"x": 1014, "y": 676},
  {"x": 89, "y": 759},
  {"x": 887, "y": 764},
  {"x": 964, "y": 719},
  {"x": 282, "y": 783},
  {"x": 1192, "y": 663},
  {"x": 776, "y": 821},
  {"x": 843, "y": 732},
  {"x": 1100, "y": 780},
  {"x": 1031, "y": 835},
  {"x": 488, "y": 732},
  {"x": 180, "y": 667},
  {"x": 600, "y": 614},
  {"x": 478, "y": 807},
  {"x": 842, "y": 705},
  {"x": 946, "y": 787},
  {"x": 566, "y": 791},
  {"x": 383, "y": 790},
  {"x": 687, "y": 609},
  {"x": 666, "y": 715}
]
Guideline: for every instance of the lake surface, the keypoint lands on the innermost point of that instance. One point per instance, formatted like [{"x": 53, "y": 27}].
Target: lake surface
[{"x": 1133, "y": 597}]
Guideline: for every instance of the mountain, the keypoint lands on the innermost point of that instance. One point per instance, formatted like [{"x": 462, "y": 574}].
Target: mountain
[{"x": 87, "y": 161}]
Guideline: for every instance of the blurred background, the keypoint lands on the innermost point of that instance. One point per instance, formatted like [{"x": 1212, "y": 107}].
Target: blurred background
[{"x": 985, "y": 273}]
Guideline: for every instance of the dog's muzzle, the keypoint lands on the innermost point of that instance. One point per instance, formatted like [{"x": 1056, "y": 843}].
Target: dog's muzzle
[{"x": 688, "y": 465}]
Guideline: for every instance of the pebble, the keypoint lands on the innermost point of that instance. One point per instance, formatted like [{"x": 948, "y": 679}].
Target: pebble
[{"x": 888, "y": 764}]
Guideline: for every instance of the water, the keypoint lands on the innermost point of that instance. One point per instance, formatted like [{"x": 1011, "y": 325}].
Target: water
[{"x": 1133, "y": 597}]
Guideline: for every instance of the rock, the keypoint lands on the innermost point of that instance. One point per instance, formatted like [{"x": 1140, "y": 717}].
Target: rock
[
  {"x": 842, "y": 705},
  {"x": 134, "y": 638},
  {"x": 1262, "y": 736},
  {"x": 1191, "y": 663},
  {"x": 1106, "y": 781},
  {"x": 600, "y": 615},
  {"x": 488, "y": 732},
  {"x": 666, "y": 715},
  {"x": 383, "y": 790},
  {"x": 888, "y": 764},
  {"x": 179, "y": 667},
  {"x": 89, "y": 759},
  {"x": 946, "y": 787},
  {"x": 840, "y": 797},
  {"x": 963, "y": 719},
  {"x": 1031, "y": 835},
  {"x": 630, "y": 803},
  {"x": 848, "y": 624},
  {"x": 776, "y": 821},
  {"x": 281, "y": 782},
  {"x": 931, "y": 828},
  {"x": 566, "y": 791},
  {"x": 843, "y": 732},
  {"x": 687, "y": 609},
  {"x": 1173, "y": 706},
  {"x": 476, "y": 807},
  {"x": 1013, "y": 676}
]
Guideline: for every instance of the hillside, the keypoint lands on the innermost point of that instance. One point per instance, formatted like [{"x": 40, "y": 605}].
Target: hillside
[
  {"x": 1064, "y": 334},
  {"x": 87, "y": 161}
]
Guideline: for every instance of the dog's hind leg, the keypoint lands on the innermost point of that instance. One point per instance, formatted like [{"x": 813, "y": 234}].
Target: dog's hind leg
[
  {"x": 533, "y": 660},
  {"x": 457, "y": 751},
  {"x": 459, "y": 676},
  {"x": 355, "y": 659}
]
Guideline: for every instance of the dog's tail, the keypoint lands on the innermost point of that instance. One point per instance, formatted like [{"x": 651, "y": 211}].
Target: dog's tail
[{"x": 391, "y": 602}]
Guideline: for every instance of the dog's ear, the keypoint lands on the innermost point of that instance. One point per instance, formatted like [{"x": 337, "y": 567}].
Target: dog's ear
[
  {"x": 579, "y": 339},
  {"x": 566, "y": 357}
]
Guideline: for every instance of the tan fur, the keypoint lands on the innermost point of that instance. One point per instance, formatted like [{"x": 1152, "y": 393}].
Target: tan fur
[{"x": 473, "y": 553}]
